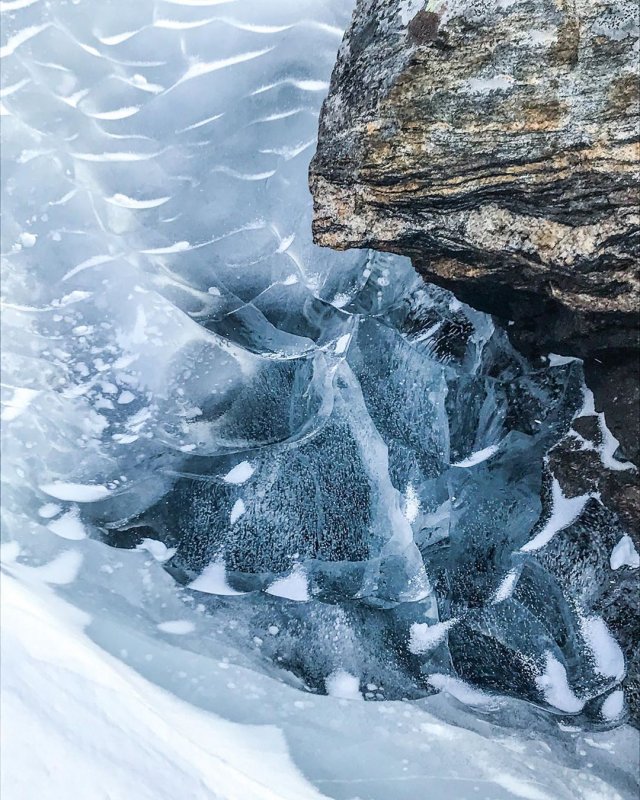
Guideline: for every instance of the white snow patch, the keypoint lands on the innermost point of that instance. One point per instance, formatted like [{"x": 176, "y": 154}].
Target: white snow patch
[
  {"x": 205, "y": 67},
  {"x": 411, "y": 503},
  {"x": 460, "y": 690},
  {"x": 126, "y": 397},
  {"x": 342, "y": 344},
  {"x": 213, "y": 580},
  {"x": 613, "y": 706},
  {"x": 237, "y": 511},
  {"x": 176, "y": 247},
  {"x": 19, "y": 38},
  {"x": 564, "y": 511},
  {"x": 558, "y": 361},
  {"x": 131, "y": 202},
  {"x": 343, "y": 684},
  {"x": 178, "y": 627},
  {"x": 116, "y": 113},
  {"x": 607, "y": 655},
  {"x": 76, "y": 492},
  {"x": 588, "y": 403},
  {"x": 28, "y": 239},
  {"x": 477, "y": 457},
  {"x": 505, "y": 590},
  {"x": 158, "y": 550},
  {"x": 424, "y": 637},
  {"x": 624, "y": 554},
  {"x": 69, "y": 526},
  {"x": 608, "y": 448},
  {"x": 555, "y": 687},
  {"x": 293, "y": 586},
  {"x": 240, "y": 473}
]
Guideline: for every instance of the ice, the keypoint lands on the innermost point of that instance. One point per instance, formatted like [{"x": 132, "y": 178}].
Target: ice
[
  {"x": 62, "y": 570},
  {"x": 322, "y": 475}
]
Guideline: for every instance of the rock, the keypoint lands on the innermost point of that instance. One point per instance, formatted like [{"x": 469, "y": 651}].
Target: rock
[{"x": 496, "y": 144}]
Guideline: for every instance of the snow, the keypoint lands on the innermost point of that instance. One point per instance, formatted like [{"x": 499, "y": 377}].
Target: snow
[
  {"x": 28, "y": 239},
  {"x": 462, "y": 692},
  {"x": 344, "y": 685},
  {"x": 158, "y": 550},
  {"x": 478, "y": 457},
  {"x": 555, "y": 687},
  {"x": 608, "y": 657},
  {"x": 49, "y": 510},
  {"x": 213, "y": 580},
  {"x": 564, "y": 511},
  {"x": 423, "y": 637},
  {"x": 177, "y": 627},
  {"x": 342, "y": 344},
  {"x": 147, "y": 733},
  {"x": 559, "y": 361},
  {"x": 76, "y": 492},
  {"x": 79, "y": 723},
  {"x": 608, "y": 448},
  {"x": 69, "y": 526},
  {"x": 240, "y": 473},
  {"x": 505, "y": 590},
  {"x": 613, "y": 706},
  {"x": 411, "y": 503},
  {"x": 624, "y": 554},
  {"x": 293, "y": 586},
  {"x": 126, "y": 397},
  {"x": 237, "y": 511}
]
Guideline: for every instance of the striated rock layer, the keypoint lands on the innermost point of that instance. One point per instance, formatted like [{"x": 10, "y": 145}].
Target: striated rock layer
[{"x": 495, "y": 142}]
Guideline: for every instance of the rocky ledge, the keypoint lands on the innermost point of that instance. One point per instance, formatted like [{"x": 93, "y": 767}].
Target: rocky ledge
[{"x": 495, "y": 142}]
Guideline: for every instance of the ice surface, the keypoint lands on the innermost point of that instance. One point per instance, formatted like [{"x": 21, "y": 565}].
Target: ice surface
[{"x": 269, "y": 472}]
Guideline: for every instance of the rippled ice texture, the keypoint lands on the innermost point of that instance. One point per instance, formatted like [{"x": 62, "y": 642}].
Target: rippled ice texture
[{"x": 320, "y": 469}]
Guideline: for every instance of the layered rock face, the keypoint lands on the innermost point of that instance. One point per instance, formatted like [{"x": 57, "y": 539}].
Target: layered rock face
[{"x": 495, "y": 142}]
